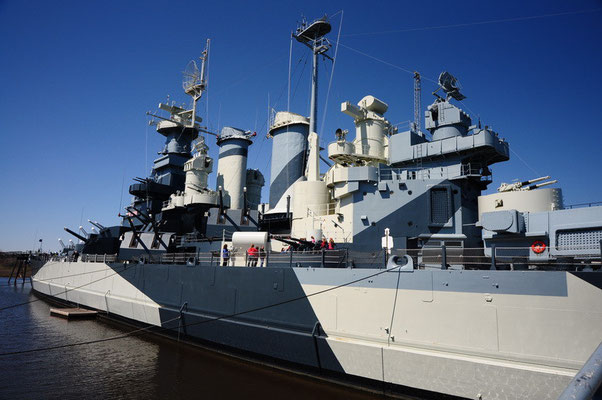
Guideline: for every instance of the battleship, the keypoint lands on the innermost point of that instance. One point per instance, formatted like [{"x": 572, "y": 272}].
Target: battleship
[{"x": 390, "y": 269}]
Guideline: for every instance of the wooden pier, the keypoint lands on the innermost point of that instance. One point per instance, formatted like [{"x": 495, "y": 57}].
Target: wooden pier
[{"x": 73, "y": 313}]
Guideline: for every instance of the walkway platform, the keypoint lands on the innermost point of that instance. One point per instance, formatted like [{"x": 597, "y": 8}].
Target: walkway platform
[{"x": 73, "y": 313}]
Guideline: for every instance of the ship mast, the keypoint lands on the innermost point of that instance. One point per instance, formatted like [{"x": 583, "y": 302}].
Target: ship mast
[
  {"x": 312, "y": 36},
  {"x": 194, "y": 81},
  {"x": 194, "y": 84}
]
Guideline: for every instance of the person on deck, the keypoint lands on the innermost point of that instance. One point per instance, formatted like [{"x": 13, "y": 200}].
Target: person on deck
[
  {"x": 331, "y": 244},
  {"x": 225, "y": 256},
  {"x": 252, "y": 254},
  {"x": 262, "y": 255}
]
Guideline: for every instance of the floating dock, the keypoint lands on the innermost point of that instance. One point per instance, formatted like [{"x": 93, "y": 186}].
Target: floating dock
[{"x": 73, "y": 313}]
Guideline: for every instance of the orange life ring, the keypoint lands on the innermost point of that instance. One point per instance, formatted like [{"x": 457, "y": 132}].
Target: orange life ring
[{"x": 538, "y": 247}]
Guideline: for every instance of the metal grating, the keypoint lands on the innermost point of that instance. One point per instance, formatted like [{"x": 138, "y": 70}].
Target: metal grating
[
  {"x": 439, "y": 206},
  {"x": 578, "y": 238}
]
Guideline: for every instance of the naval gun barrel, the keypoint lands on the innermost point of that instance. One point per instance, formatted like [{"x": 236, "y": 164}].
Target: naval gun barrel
[
  {"x": 542, "y": 184},
  {"x": 96, "y": 224},
  {"x": 516, "y": 186},
  {"x": 530, "y": 181},
  {"x": 83, "y": 239}
]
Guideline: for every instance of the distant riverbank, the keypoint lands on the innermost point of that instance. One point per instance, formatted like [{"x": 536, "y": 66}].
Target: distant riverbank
[{"x": 7, "y": 262}]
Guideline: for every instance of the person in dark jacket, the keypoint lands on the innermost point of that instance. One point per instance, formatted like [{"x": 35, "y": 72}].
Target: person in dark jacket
[
  {"x": 225, "y": 256},
  {"x": 262, "y": 255}
]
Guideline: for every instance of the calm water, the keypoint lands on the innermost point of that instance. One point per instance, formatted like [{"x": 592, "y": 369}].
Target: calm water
[{"x": 132, "y": 368}]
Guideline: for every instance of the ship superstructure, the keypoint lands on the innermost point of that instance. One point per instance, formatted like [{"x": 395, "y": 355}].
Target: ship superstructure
[{"x": 389, "y": 266}]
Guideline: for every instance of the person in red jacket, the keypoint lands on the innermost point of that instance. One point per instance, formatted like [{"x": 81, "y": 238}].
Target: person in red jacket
[{"x": 252, "y": 255}]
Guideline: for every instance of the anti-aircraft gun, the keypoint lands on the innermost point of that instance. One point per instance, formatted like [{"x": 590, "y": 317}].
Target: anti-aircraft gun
[
  {"x": 525, "y": 185},
  {"x": 524, "y": 224}
]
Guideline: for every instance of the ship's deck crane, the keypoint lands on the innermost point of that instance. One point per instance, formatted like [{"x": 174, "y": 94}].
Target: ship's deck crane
[{"x": 417, "y": 100}]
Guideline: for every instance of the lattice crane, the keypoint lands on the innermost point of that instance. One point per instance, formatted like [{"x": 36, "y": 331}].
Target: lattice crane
[{"x": 417, "y": 107}]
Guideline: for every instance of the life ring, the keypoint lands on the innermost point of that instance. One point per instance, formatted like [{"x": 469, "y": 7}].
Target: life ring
[{"x": 538, "y": 247}]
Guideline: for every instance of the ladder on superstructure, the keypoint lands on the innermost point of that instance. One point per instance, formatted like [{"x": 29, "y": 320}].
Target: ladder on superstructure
[{"x": 416, "y": 124}]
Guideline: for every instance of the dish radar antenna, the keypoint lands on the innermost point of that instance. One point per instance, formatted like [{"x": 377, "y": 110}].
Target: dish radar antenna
[
  {"x": 450, "y": 85},
  {"x": 194, "y": 82}
]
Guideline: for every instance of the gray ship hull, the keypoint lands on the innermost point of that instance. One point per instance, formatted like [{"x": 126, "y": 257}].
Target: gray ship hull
[{"x": 502, "y": 334}]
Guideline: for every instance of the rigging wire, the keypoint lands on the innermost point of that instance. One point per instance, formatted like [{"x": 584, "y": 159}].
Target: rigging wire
[
  {"x": 121, "y": 197},
  {"x": 336, "y": 13},
  {"x": 495, "y": 21},
  {"x": 207, "y": 85},
  {"x": 387, "y": 63},
  {"x": 334, "y": 60},
  {"x": 145, "y": 153},
  {"x": 304, "y": 58},
  {"x": 204, "y": 321},
  {"x": 253, "y": 73},
  {"x": 470, "y": 110},
  {"x": 290, "y": 59},
  {"x": 524, "y": 162}
]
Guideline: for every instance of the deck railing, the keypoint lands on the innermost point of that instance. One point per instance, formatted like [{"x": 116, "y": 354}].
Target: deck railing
[
  {"x": 449, "y": 172},
  {"x": 427, "y": 257}
]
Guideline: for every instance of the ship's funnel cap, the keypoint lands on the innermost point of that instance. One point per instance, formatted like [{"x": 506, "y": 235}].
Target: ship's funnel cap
[{"x": 229, "y": 132}]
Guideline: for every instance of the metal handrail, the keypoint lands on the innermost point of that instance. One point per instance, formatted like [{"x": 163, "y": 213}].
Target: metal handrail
[
  {"x": 587, "y": 381},
  {"x": 520, "y": 258},
  {"x": 583, "y": 205},
  {"x": 314, "y": 210},
  {"x": 104, "y": 258},
  {"x": 386, "y": 174}
]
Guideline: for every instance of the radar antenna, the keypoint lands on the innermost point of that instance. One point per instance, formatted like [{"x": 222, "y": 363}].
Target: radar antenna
[
  {"x": 192, "y": 78},
  {"x": 193, "y": 82},
  {"x": 450, "y": 85}
]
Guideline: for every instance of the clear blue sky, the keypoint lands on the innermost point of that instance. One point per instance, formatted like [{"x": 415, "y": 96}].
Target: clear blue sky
[{"x": 76, "y": 78}]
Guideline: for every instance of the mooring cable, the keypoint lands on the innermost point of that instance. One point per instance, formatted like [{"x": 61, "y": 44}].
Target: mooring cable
[{"x": 161, "y": 328}]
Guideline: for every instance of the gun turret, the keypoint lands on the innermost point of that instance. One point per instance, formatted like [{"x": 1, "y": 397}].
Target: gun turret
[{"x": 516, "y": 186}]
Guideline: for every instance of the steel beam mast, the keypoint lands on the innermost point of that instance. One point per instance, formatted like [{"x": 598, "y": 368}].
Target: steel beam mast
[
  {"x": 417, "y": 101},
  {"x": 312, "y": 35}
]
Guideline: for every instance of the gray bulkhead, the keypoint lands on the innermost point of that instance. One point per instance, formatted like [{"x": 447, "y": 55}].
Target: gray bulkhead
[{"x": 429, "y": 189}]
